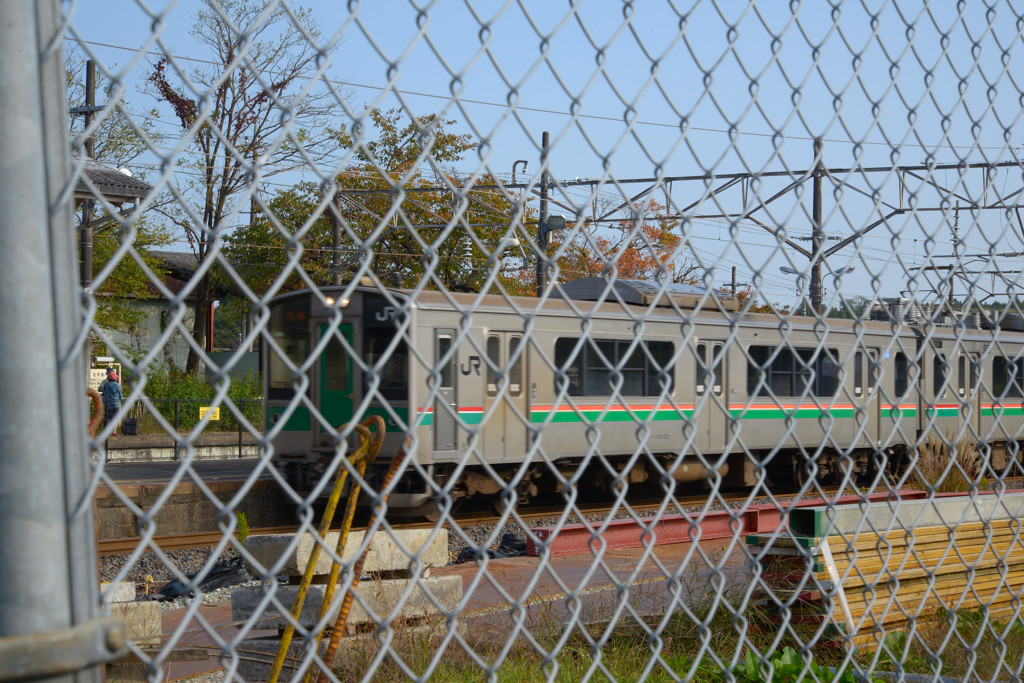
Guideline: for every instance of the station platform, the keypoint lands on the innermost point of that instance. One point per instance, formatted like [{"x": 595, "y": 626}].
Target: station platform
[{"x": 189, "y": 508}]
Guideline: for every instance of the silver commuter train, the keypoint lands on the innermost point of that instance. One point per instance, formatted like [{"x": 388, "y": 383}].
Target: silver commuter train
[{"x": 639, "y": 387}]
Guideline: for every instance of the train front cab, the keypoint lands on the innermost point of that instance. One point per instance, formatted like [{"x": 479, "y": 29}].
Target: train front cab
[{"x": 337, "y": 390}]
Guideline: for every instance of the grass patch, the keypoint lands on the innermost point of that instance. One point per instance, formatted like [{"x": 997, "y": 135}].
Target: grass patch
[{"x": 962, "y": 644}]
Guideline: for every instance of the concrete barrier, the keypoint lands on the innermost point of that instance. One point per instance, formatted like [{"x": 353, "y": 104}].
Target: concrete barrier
[
  {"x": 407, "y": 600},
  {"x": 391, "y": 551}
]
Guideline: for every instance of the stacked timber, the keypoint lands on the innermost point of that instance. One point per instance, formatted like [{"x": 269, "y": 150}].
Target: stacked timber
[{"x": 864, "y": 572}]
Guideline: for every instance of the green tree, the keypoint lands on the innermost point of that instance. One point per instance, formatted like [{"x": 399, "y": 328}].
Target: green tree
[
  {"x": 410, "y": 225},
  {"x": 260, "y": 120}
]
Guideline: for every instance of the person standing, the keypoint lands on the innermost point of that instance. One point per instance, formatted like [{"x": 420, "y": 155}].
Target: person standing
[{"x": 112, "y": 398}]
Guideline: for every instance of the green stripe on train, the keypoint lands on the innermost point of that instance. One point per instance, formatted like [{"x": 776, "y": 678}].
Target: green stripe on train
[
  {"x": 594, "y": 415},
  {"x": 473, "y": 418},
  {"x": 899, "y": 413},
  {"x": 782, "y": 414},
  {"x": 942, "y": 412},
  {"x": 1002, "y": 412}
]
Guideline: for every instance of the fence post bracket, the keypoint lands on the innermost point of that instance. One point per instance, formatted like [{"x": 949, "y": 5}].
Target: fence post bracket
[{"x": 40, "y": 655}]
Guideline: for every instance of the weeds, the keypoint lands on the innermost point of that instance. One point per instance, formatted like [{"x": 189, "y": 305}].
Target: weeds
[
  {"x": 964, "y": 644},
  {"x": 241, "y": 526},
  {"x": 928, "y": 472}
]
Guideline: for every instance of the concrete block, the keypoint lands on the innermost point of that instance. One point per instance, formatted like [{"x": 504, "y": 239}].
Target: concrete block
[
  {"x": 380, "y": 597},
  {"x": 141, "y": 620},
  {"x": 385, "y": 554},
  {"x": 122, "y": 591}
]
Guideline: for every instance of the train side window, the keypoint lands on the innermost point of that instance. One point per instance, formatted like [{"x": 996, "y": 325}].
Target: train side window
[
  {"x": 961, "y": 375},
  {"x": 592, "y": 373},
  {"x": 444, "y": 345},
  {"x": 571, "y": 368},
  {"x": 702, "y": 370},
  {"x": 515, "y": 372},
  {"x": 716, "y": 371},
  {"x": 858, "y": 373},
  {"x": 785, "y": 372},
  {"x": 1006, "y": 377},
  {"x": 493, "y": 363},
  {"x": 874, "y": 371},
  {"x": 659, "y": 375},
  {"x": 902, "y": 371},
  {"x": 940, "y": 376}
]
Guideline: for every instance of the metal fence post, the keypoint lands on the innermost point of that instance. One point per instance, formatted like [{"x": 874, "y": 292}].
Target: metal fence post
[{"x": 49, "y": 590}]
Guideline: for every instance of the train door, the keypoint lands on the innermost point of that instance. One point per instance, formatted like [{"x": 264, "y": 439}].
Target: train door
[
  {"x": 504, "y": 432},
  {"x": 446, "y": 402},
  {"x": 335, "y": 379},
  {"x": 714, "y": 410},
  {"x": 869, "y": 395},
  {"x": 963, "y": 388},
  {"x": 942, "y": 396}
]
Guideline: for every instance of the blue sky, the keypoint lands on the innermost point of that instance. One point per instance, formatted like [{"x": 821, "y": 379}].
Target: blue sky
[{"x": 683, "y": 89}]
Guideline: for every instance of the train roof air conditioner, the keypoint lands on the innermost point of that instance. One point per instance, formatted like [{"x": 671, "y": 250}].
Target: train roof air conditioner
[{"x": 644, "y": 293}]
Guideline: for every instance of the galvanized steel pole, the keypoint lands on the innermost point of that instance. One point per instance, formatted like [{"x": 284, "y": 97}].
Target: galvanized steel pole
[
  {"x": 48, "y": 579},
  {"x": 542, "y": 228},
  {"x": 817, "y": 234}
]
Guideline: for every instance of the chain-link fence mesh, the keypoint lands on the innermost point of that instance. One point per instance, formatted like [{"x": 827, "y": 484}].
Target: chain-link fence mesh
[{"x": 712, "y": 307}]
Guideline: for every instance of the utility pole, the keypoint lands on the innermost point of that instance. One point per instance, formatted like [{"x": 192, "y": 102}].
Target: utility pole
[
  {"x": 734, "y": 280},
  {"x": 817, "y": 235},
  {"x": 335, "y": 241},
  {"x": 86, "y": 235},
  {"x": 956, "y": 250},
  {"x": 542, "y": 227}
]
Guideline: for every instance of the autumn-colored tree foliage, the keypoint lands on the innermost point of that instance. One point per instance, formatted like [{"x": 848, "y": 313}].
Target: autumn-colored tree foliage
[
  {"x": 646, "y": 247},
  {"x": 749, "y": 296},
  {"x": 402, "y": 215},
  {"x": 244, "y": 109}
]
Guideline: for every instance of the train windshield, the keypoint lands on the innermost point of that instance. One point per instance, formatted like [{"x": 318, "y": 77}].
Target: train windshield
[
  {"x": 380, "y": 331},
  {"x": 290, "y": 324}
]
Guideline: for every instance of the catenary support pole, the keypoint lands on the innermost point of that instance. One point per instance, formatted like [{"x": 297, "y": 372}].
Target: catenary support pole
[
  {"x": 542, "y": 231},
  {"x": 817, "y": 234},
  {"x": 48, "y": 563}
]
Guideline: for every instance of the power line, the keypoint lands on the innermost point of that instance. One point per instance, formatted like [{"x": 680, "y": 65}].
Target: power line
[{"x": 505, "y": 105}]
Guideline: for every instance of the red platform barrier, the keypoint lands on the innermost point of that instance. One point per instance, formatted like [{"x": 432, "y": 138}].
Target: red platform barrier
[{"x": 627, "y": 533}]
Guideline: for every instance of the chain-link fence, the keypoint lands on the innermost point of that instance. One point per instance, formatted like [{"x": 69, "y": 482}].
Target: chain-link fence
[{"x": 646, "y": 341}]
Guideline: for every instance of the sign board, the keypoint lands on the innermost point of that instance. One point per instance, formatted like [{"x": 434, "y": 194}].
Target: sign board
[
  {"x": 98, "y": 373},
  {"x": 214, "y": 412},
  {"x": 96, "y": 376}
]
